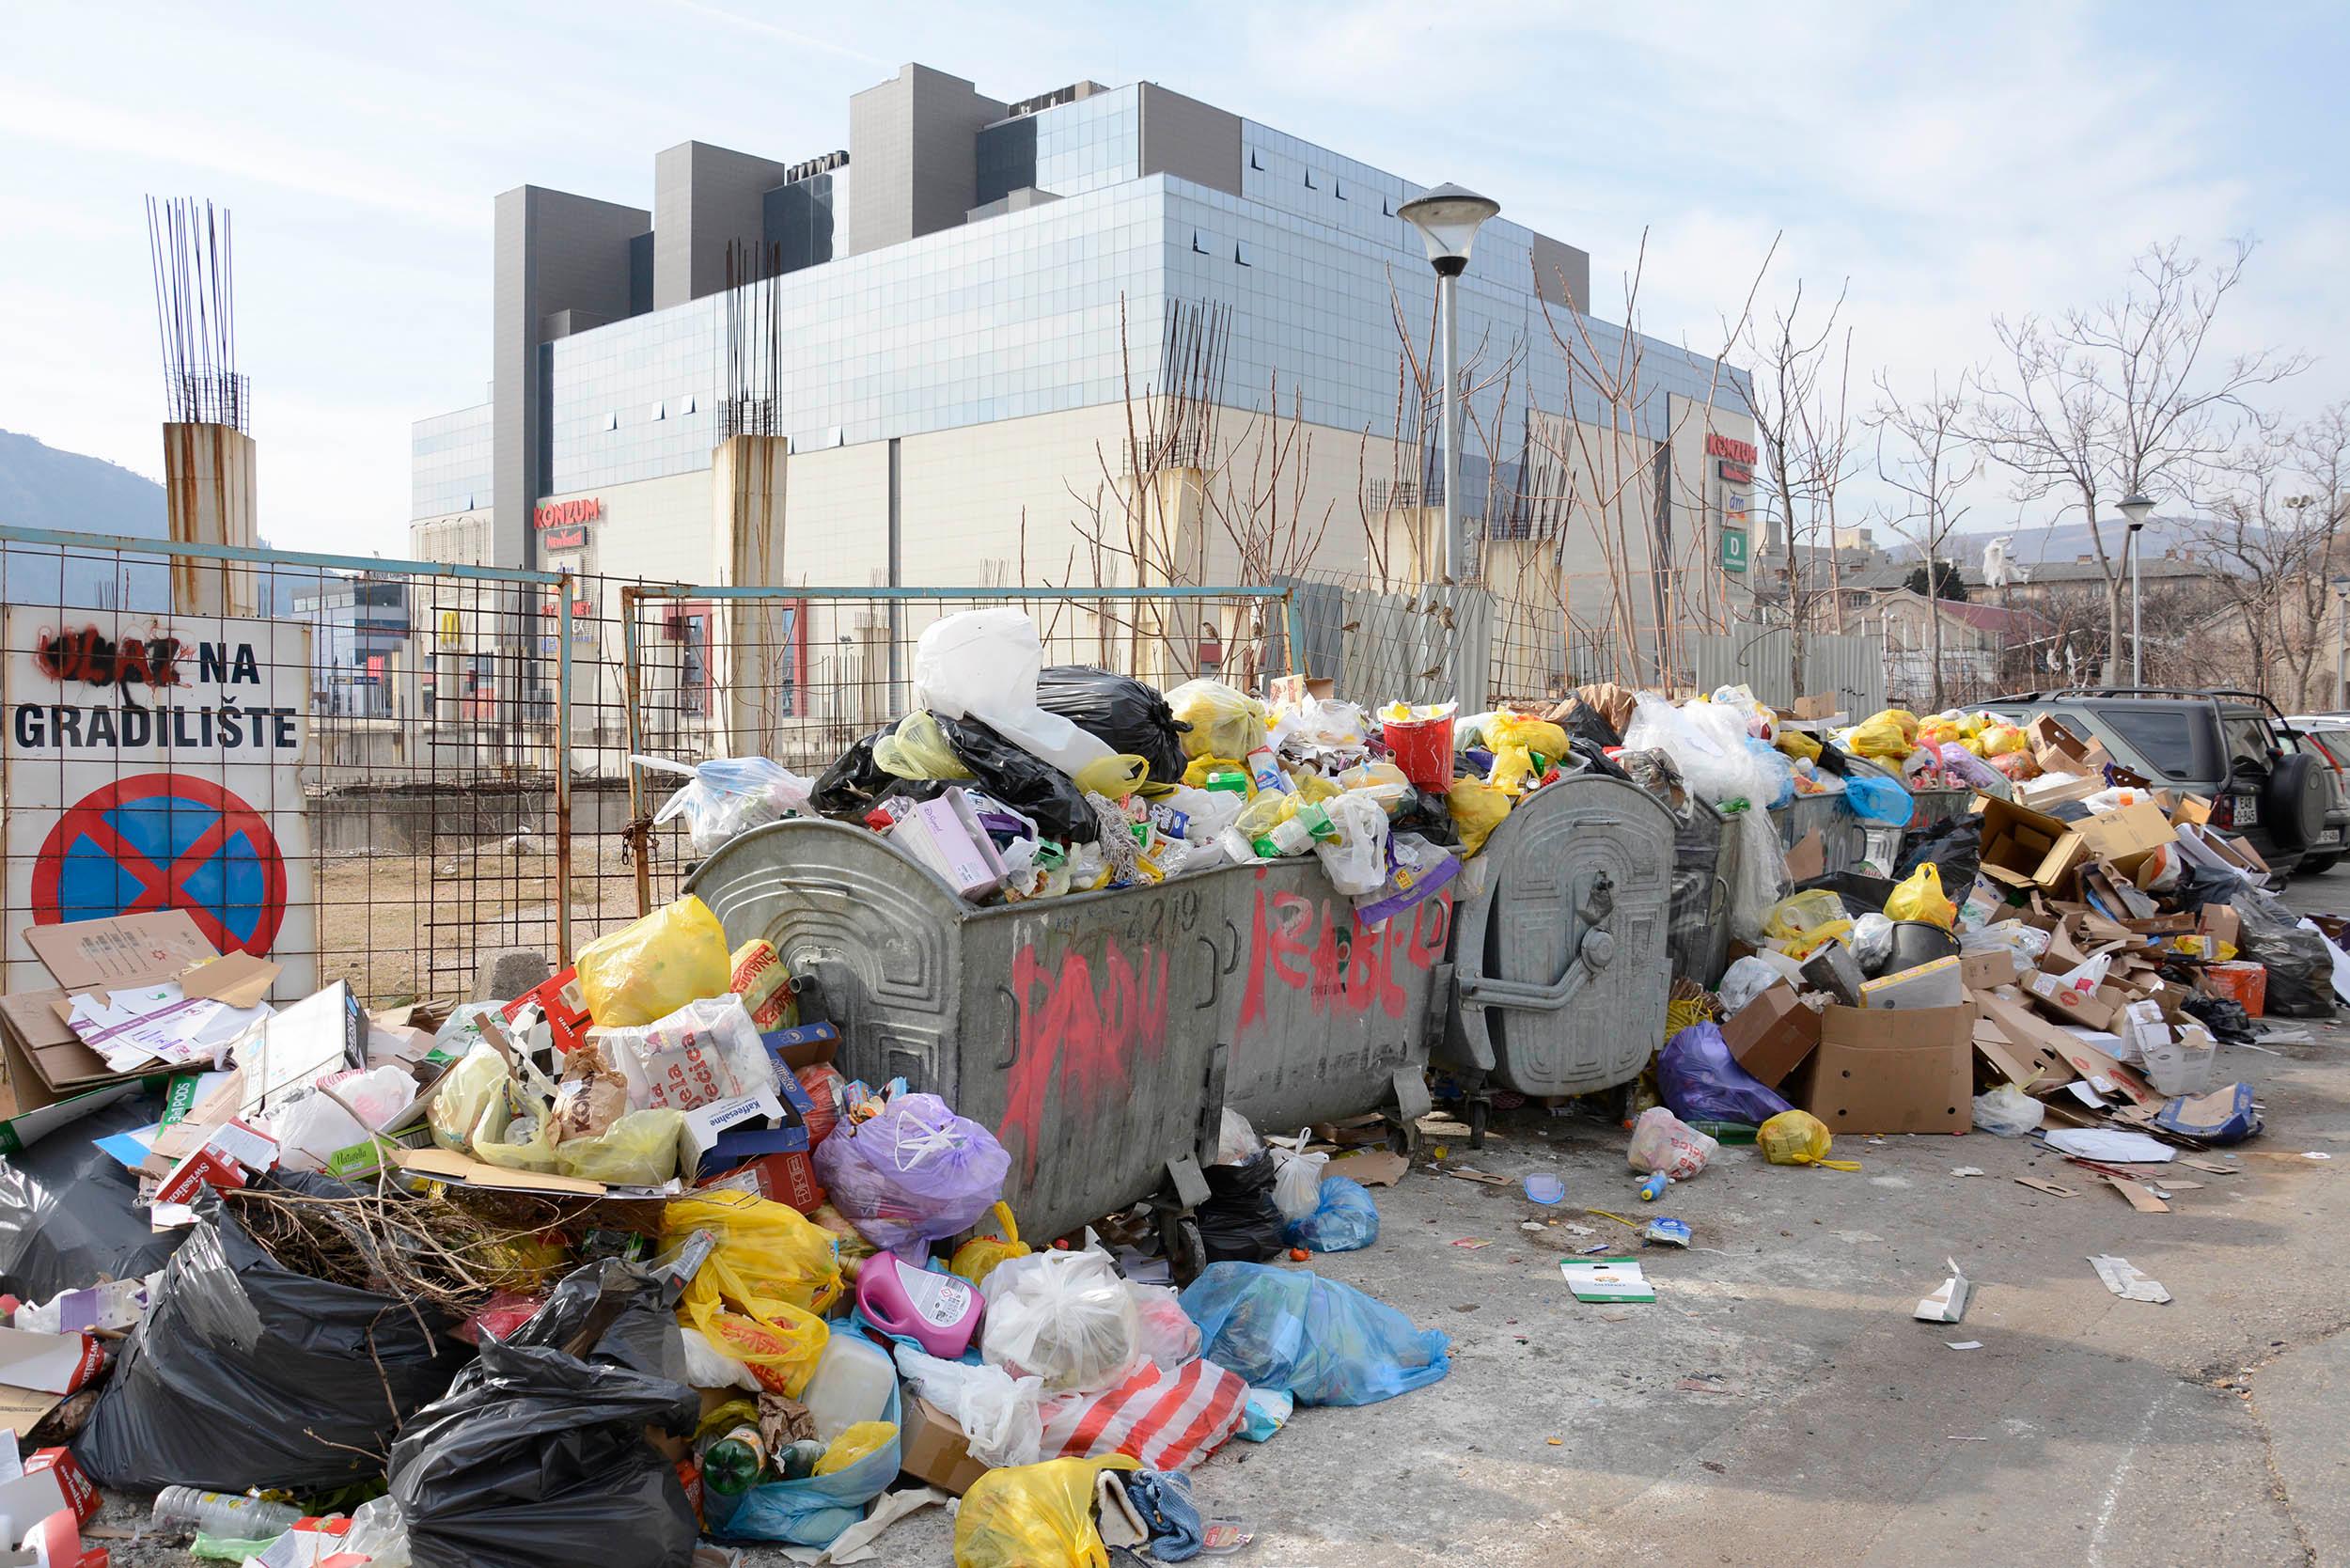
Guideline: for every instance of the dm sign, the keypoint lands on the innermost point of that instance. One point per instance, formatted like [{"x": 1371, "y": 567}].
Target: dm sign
[{"x": 154, "y": 762}]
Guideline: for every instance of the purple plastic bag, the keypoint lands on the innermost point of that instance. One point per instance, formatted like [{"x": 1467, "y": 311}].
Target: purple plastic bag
[
  {"x": 915, "y": 1174},
  {"x": 1965, "y": 766},
  {"x": 1700, "y": 1081}
]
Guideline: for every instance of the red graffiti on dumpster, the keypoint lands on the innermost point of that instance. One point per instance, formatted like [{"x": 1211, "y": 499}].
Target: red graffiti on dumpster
[
  {"x": 1081, "y": 1028},
  {"x": 1301, "y": 944}
]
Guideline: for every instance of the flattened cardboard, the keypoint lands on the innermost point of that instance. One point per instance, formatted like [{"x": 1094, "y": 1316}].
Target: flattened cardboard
[
  {"x": 124, "y": 950},
  {"x": 238, "y": 979},
  {"x": 1893, "y": 1071},
  {"x": 1374, "y": 1168},
  {"x": 932, "y": 1449},
  {"x": 1772, "y": 1034},
  {"x": 1808, "y": 859},
  {"x": 442, "y": 1165},
  {"x": 2140, "y": 1196},
  {"x": 2019, "y": 1056}
]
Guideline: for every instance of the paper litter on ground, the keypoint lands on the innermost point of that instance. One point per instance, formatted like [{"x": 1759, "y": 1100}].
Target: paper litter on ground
[
  {"x": 2111, "y": 1143},
  {"x": 2125, "y": 1282},
  {"x": 1606, "y": 1279}
]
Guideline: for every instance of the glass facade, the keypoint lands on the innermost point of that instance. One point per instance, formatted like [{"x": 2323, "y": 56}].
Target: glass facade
[
  {"x": 450, "y": 462},
  {"x": 1019, "y": 315}
]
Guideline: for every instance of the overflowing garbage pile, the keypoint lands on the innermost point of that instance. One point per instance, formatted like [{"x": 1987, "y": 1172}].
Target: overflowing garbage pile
[
  {"x": 1014, "y": 782},
  {"x": 614, "y": 1269}
]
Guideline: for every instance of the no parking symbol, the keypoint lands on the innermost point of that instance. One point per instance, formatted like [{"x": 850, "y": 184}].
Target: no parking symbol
[{"x": 161, "y": 841}]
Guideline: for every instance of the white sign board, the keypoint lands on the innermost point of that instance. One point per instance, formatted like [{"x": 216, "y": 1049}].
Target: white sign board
[{"x": 154, "y": 762}]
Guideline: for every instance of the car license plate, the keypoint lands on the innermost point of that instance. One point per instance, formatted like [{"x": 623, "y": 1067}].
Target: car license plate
[{"x": 2248, "y": 810}]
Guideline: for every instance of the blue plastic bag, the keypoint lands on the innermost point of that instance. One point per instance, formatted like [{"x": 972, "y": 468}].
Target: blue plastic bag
[
  {"x": 810, "y": 1512},
  {"x": 1326, "y": 1342},
  {"x": 1345, "y": 1218},
  {"x": 1878, "y": 800},
  {"x": 1699, "y": 1080},
  {"x": 1778, "y": 774}
]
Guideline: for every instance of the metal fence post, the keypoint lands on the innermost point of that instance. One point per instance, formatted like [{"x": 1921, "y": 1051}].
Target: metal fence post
[
  {"x": 563, "y": 773},
  {"x": 639, "y": 835}
]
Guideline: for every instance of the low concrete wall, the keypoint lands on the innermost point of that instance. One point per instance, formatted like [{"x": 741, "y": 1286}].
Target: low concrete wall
[{"x": 420, "y": 818}]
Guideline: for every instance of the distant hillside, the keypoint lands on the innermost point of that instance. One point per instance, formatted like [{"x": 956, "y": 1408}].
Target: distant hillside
[
  {"x": 2066, "y": 542},
  {"x": 41, "y": 487}
]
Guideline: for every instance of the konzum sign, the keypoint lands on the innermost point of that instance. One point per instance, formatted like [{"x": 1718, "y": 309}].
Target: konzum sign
[{"x": 552, "y": 514}]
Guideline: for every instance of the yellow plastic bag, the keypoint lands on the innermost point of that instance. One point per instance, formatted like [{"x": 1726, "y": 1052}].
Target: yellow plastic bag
[
  {"x": 1035, "y": 1515},
  {"x": 1802, "y": 923},
  {"x": 1539, "y": 735},
  {"x": 854, "y": 1443},
  {"x": 917, "y": 748},
  {"x": 640, "y": 1149},
  {"x": 1312, "y": 788},
  {"x": 1197, "y": 773},
  {"x": 1880, "y": 736},
  {"x": 1477, "y": 809},
  {"x": 647, "y": 970},
  {"x": 2000, "y": 739},
  {"x": 1920, "y": 897},
  {"x": 975, "y": 1258},
  {"x": 1797, "y": 744},
  {"x": 1798, "y": 1138},
  {"x": 1223, "y": 722},
  {"x": 766, "y": 1250},
  {"x": 1111, "y": 777}
]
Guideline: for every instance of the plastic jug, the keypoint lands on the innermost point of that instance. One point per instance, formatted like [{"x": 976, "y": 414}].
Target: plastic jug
[
  {"x": 229, "y": 1516},
  {"x": 937, "y": 1310},
  {"x": 852, "y": 1382}
]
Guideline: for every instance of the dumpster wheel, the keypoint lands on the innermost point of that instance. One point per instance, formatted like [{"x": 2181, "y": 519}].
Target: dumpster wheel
[
  {"x": 1179, "y": 1237},
  {"x": 1479, "y": 1110}
]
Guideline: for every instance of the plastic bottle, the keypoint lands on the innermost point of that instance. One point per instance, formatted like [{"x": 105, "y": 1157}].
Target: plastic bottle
[
  {"x": 732, "y": 1463},
  {"x": 225, "y": 1515},
  {"x": 850, "y": 1383},
  {"x": 1654, "y": 1188},
  {"x": 937, "y": 1310},
  {"x": 797, "y": 1462}
]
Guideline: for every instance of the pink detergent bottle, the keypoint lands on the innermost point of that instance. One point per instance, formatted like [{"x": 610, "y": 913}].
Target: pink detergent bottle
[{"x": 939, "y": 1311}]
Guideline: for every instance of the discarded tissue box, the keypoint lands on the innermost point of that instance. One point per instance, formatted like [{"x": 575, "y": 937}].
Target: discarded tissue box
[
  {"x": 1882, "y": 1069},
  {"x": 945, "y": 835}
]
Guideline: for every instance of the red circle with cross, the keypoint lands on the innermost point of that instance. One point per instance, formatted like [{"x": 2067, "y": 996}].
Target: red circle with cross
[{"x": 164, "y": 884}]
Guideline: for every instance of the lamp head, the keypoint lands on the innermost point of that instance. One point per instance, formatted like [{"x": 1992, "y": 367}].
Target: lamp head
[
  {"x": 2134, "y": 508},
  {"x": 1448, "y": 219}
]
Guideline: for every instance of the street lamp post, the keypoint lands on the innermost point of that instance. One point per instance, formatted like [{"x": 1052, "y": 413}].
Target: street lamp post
[
  {"x": 1448, "y": 219},
  {"x": 2342, "y": 646},
  {"x": 2134, "y": 508}
]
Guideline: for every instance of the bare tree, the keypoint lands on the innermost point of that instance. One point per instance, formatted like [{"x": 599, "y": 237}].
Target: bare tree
[
  {"x": 1927, "y": 459},
  {"x": 1803, "y": 434},
  {"x": 2126, "y": 397},
  {"x": 2277, "y": 524}
]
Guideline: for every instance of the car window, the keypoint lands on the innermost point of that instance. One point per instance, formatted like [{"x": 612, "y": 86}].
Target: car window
[
  {"x": 2179, "y": 743},
  {"x": 2252, "y": 746}
]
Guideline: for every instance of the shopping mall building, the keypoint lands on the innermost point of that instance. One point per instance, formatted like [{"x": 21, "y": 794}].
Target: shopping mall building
[{"x": 973, "y": 295}]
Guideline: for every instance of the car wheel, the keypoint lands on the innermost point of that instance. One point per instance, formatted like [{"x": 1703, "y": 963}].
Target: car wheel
[
  {"x": 2318, "y": 865},
  {"x": 2294, "y": 801}
]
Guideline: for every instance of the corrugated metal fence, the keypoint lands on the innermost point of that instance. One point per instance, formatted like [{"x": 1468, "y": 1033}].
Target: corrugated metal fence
[{"x": 1762, "y": 658}]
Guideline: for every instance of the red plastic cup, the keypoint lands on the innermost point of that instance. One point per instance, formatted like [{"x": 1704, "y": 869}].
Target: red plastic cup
[{"x": 1423, "y": 749}]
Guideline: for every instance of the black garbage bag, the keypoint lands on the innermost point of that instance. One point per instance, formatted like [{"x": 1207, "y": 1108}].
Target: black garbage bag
[
  {"x": 854, "y": 784},
  {"x": 1583, "y": 722},
  {"x": 2223, "y": 1016},
  {"x": 1129, "y": 716},
  {"x": 2298, "y": 960},
  {"x": 536, "y": 1456},
  {"x": 66, "y": 1219},
  {"x": 2199, "y": 885},
  {"x": 1030, "y": 786},
  {"x": 1835, "y": 758},
  {"x": 1955, "y": 848},
  {"x": 1588, "y": 752},
  {"x": 1240, "y": 1222},
  {"x": 246, "y": 1374},
  {"x": 1428, "y": 815}
]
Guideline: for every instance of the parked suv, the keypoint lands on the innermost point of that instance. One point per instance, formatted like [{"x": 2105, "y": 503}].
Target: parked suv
[{"x": 2267, "y": 781}]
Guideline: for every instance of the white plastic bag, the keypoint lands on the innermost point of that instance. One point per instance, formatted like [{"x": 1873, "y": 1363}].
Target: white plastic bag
[
  {"x": 1871, "y": 940},
  {"x": 1762, "y": 867},
  {"x": 707, "y": 1367},
  {"x": 1169, "y": 1336},
  {"x": 706, "y": 1050},
  {"x": 999, "y": 1414},
  {"x": 1297, "y": 1176},
  {"x": 1357, "y": 861},
  {"x": 1236, "y": 1139},
  {"x": 314, "y": 1128},
  {"x": 985, "y": 664},
  {"x": 2027, "y": 942},
  {"x": 1714, "y": 765},
  {"x": 728, "y": 795},
  {"x": 1065, "y": 1318},
  {"x": 1743, "y": 981},
  {"x": 1662, "y": 1141},
  {"x": 2007, "y": 1111}
]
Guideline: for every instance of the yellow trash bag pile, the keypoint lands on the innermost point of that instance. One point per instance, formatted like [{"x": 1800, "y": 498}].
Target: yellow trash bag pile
[
  {"x": 1223, "y": 722},
  {"x": 647, "y": 970},
  {"x": 761, "y": 1292},
  {"x": 1035, "y": 1515},
  {"x": 1920, "y": 897},
  {"x": 1477, "y": 809},
  {"x": 1798, "y": 1138},
  {"x": 1797, "y": 745},
  {"x": 1885, "y": 737}
]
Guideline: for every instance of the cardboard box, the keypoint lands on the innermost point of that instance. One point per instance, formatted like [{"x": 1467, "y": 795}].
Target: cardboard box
[
  {"x": 95, "y": 956},
  {"x": 2054, "y": 790},
  {"x": 1935, "y": 984},
  {"x": 2221, "y": 922},
  {"x": 80, "y": 1494},
  {"x": 2024, "y": 848},
  {"x": 1819, "y": 705},
  {"x": 560, "y": 1003},
  {"x": 2123, "y": 836},
  {"x": 932, "y": 1448},
  {"x": 1772, "y": 1034},
  {"x": 944, "y": 835},
  {"x": 778, "y": 1178},
  {"x": 1988, "y": 969},
  {"x": 48, "y": 1363},
  {"x": 2068, "y": 1005},
  {"x": 1893, "y": 1071}
]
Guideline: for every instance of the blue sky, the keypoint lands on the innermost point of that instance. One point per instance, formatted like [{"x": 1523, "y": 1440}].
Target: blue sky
[{"x": 1952, "y": 162}]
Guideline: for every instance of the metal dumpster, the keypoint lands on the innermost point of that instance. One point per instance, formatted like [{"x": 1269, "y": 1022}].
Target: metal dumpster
[
  {"x": 1560, "y": 966},
  {"x": 1082, "y": 1031},
  {"x": 1325, "y": 1019}
]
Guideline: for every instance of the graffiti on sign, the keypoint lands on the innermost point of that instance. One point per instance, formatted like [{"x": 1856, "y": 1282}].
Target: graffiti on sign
[
  {"x": 1085, "y": 1020},
  {"x": 1300, "y": 943},
  {"x": 91, "y": 658}
]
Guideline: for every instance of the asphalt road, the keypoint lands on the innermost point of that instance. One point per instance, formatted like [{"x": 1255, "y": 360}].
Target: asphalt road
[{"x": 1778, "y": 1404}]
